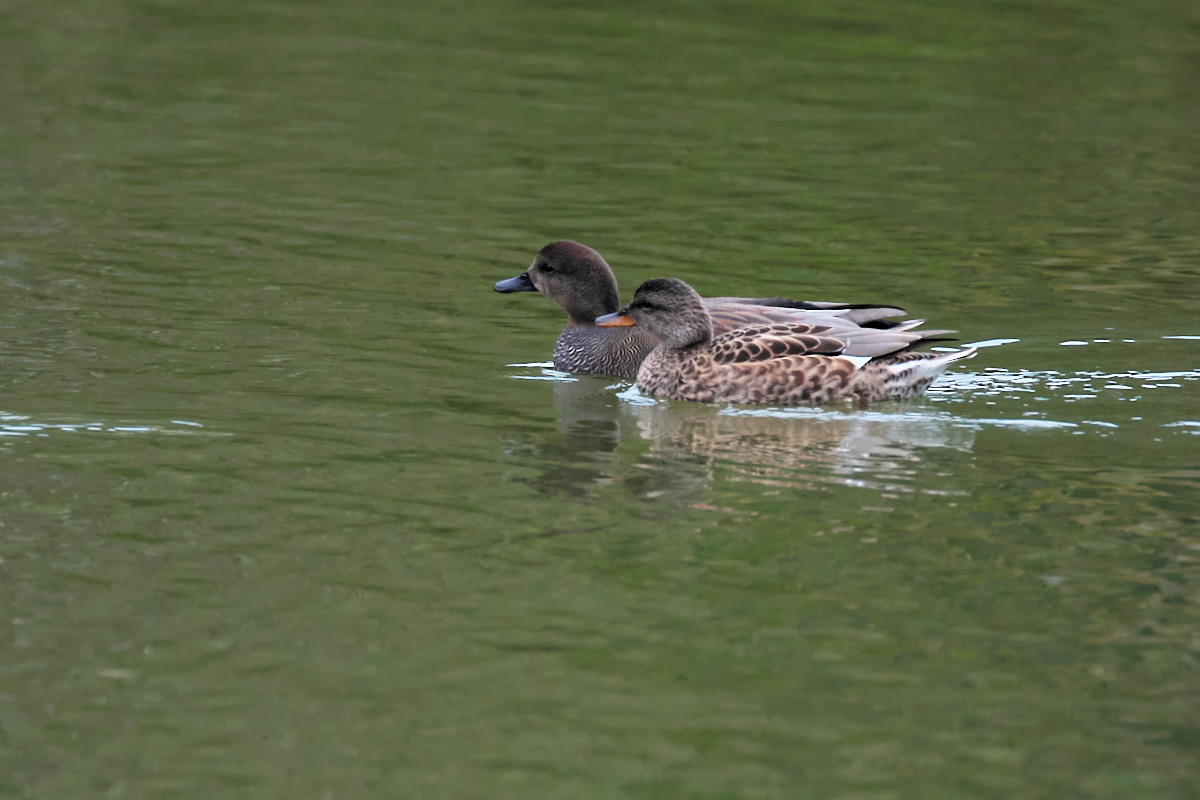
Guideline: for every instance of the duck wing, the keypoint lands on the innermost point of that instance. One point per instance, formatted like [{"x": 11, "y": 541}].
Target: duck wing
[
  {"x": 766, "y": 342},
  {"x": 835, "y": 337},
  {"x": 777, "y": 309},
  {"x": 727, "y": 316}
]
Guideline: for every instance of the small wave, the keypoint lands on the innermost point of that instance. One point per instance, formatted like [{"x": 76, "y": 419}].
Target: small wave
[{"x": 20, "y": 425}]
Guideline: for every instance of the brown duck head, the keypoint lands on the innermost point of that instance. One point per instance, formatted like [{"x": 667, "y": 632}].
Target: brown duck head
[
  {"x": 668, "y": 309},
  {"x": 573, "y": 275}
]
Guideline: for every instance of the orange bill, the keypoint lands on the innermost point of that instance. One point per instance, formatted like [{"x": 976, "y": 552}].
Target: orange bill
[{"x": 615, "y": 320}]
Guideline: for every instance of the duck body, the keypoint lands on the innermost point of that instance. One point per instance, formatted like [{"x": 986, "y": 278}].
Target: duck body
[
  {"x": 619, "y": 352},
  {"x": 581, "y": 281},
  {"x": 794, "y": 380},
  {"x": 823, "y": 360}
]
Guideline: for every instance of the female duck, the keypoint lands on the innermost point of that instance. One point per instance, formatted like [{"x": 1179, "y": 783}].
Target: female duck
[{"x": 809, "y": 363}]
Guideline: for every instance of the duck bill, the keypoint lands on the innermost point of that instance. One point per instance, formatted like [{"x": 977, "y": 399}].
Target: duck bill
[
  {"x": 615, "y": 320},
  {"x": 521, "y": 283}
]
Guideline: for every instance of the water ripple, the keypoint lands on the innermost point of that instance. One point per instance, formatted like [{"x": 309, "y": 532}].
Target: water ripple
[{"x": 18, "y": 425}]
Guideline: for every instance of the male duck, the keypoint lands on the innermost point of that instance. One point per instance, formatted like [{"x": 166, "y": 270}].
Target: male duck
[
  {"x": 807, "y": 363},
  {"x": 579, "y": 279}
]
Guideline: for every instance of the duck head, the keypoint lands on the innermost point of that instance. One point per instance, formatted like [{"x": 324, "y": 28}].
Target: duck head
[
  {"x": 669, "y": 310},
  {"x": 573, "y": 275}
]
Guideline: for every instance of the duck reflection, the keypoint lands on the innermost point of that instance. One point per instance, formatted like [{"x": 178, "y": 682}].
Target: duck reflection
[
  {"x": 607, "y": 437},
  {"x": 802, "y": 448}
]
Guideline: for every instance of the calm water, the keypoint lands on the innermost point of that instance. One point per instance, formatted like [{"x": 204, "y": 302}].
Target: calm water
[{"x": 291, "y": 505}]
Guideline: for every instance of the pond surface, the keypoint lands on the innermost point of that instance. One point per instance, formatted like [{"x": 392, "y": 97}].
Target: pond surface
[{"x": 292, "y": 505}]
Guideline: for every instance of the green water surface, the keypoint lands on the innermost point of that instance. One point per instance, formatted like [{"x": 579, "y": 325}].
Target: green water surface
[{"x": 291, "y": 505}]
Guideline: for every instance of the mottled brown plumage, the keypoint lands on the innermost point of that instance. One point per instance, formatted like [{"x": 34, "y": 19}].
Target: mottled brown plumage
[
  {"x": 808, "y": 363},
  {"x": 579, "y": 279}
]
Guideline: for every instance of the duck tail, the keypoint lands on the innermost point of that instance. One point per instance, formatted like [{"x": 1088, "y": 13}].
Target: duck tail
[{"x": 931, "y": 364}]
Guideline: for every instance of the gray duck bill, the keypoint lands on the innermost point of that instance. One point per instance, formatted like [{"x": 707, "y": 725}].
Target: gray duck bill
[{"x": 521, "y": 283}]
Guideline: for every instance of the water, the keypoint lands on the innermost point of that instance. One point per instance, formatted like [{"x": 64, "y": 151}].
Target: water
[{"x": 293, "y": 506}]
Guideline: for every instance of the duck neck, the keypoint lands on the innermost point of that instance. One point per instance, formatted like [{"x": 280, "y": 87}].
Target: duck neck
[
  {"x": 695, "y": 333},
  {"x": 594, "y": 301}
]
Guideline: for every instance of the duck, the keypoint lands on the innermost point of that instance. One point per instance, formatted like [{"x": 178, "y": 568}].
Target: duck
[
  {"x": 579, "y": 279},
  {"x": 816, "y": 362}
]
